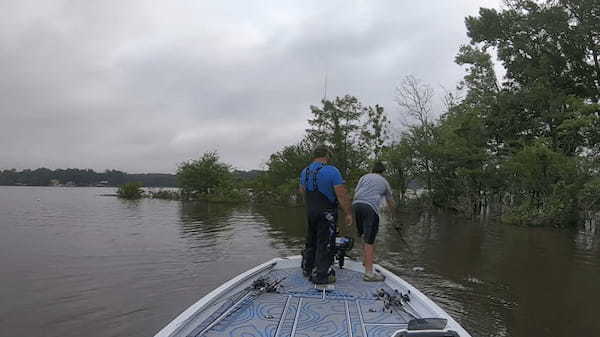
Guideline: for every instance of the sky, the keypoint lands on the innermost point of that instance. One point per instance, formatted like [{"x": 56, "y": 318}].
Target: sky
[{"x": 142, "y": 86}]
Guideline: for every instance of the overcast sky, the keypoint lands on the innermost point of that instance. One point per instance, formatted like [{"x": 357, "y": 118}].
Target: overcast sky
[{"x": 141, "y": 86}]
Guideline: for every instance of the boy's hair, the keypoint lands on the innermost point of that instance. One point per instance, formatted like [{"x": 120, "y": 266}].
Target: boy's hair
[
  {"x": 378, "y": 167},
  {"x": 321, "y": 150}
]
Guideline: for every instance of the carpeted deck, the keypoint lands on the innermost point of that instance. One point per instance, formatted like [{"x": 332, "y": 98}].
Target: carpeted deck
[{"x": 348, "y": 308}]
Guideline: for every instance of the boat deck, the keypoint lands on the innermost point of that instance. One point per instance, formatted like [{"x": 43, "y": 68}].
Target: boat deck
[{"x": 347, "y": 308}]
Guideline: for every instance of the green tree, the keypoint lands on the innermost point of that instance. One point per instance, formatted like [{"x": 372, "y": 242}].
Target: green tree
[
  {"x": 132, "y": 190},
  {"x": 589, "y": 202},
  {"x": 375, "y": 131},
  {"x": 338, "y": 123},
  {"x": 205, "y": 176},
  {"x": 9, "y": 177},
  {"x": 286, "y": 164},
  {"x": 550, "y": 52},
  {"x": 531, "y": 141},
  {"x": 400, "y": 165},
  {"x": 544, "y": 186},
  {"x": 279, "y": 183},
  {"x": 356, "y": 134},
  {"x": 460, "y": 161}
]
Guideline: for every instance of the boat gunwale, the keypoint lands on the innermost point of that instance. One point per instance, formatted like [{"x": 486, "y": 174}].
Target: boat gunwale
[{"x": 204, "y": 303}]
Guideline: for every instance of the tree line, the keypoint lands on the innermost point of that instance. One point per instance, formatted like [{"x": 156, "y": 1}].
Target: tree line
[
  {"x": 82, "y": 177},
  {"x": 528, "y": 146},
  {"x": 89, "y": 177},
  {"x": 525, "y": 148}
]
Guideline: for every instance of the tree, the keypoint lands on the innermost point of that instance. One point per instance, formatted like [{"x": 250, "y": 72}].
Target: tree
[
  {"x": 531, "y": 140},
  {"x": 132, "y": 190},
  {"x": 337, "y": 123},
  {"x": 356, "y": 133},
  {"x": 415, "y": 101},
  {"x": 206, "y": 175},
  {"x": 279, "y": 183},
  {"x": 285, "y": 165},
  {"x": 375, "y": 131},
  {"x": 550, "y": 52},
  {"x": 589, "y": 203},
  {"x": 461, "y": 162},
  {"x": 400, "y": 165},
  {"x": 8, "y": 177}
]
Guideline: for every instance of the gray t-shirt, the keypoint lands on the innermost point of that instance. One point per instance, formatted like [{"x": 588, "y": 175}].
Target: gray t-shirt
[{"x": 371, "y": 189}]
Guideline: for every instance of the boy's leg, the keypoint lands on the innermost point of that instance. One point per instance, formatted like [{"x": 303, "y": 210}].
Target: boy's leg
[
  {"x": 368, "y": 252},
  {"x": 371, "y": 227}
]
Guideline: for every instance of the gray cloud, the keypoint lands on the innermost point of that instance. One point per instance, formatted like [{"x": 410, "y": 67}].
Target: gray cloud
[{"x": 141, "y": 86}]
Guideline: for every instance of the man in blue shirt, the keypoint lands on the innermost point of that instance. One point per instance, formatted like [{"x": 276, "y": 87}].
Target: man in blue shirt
[{"x": 324, "y": 190}]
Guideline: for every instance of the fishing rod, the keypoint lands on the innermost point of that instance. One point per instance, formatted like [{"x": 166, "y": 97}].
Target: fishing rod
[
  {"x": 265, "y": 284},
  {"x": 396, "y": 300},
  {"x": 398, "y": 229}
]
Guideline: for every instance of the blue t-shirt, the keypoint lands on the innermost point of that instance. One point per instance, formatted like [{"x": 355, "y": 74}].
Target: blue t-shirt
[{"x": 328, "y": 177}]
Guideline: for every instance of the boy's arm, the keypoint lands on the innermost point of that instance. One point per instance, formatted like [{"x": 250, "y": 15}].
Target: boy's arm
[{"x": 389, "y": 197}]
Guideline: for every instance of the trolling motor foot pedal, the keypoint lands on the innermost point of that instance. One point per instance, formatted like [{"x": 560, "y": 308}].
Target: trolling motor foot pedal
[{"x": 326, "y": 287}]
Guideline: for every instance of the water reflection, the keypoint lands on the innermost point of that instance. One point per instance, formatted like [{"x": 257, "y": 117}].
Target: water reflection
[
  {"x": 284, "y": 225},
  {"x": 205, "y": 219},
  {"x": 446, "y": 257}
]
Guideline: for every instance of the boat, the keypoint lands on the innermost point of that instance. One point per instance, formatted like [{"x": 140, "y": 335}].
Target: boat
[{"x": 274, "y": 299}]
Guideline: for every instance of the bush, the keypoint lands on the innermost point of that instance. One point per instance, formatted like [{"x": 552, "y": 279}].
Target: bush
[
  {"x": 207, "y": 176},
  {"x": 225, "y": 195},
  {"x": 165, "y": 194},
  {"x": 132, "y": 190}
]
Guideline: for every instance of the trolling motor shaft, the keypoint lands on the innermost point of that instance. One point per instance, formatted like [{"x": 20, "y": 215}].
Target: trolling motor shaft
[{"x": 342, "y": 245}]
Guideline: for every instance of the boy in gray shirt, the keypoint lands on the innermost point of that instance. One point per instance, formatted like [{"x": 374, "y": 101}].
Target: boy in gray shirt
[{"x": 370, "y": 190}]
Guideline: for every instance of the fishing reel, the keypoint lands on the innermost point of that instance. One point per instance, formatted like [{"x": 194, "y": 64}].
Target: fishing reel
[
  {"x": 264, "y": 284},
  {"x": 342, "y": 245}
]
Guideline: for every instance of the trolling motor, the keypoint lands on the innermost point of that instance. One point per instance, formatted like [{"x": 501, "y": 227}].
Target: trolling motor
[{"x": 342, "y": 245}]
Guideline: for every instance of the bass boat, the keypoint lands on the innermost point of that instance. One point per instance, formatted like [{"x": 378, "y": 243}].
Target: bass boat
[{"x": 274, "y": 299}]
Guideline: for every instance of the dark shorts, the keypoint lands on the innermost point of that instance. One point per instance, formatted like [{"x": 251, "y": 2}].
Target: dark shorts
[{"x": 367, "y": 222}]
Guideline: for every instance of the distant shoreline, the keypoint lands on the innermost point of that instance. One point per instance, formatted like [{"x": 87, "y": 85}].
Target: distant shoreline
[
  {"x": 73, "y": 177},
  {"x": 80, "y": 186}
]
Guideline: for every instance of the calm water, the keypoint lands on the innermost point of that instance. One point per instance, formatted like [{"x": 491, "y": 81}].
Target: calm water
[{"x": 75, "y": 263}]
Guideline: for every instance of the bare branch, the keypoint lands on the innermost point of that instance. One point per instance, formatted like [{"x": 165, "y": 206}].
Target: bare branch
[{"x": 414, "y": 99}]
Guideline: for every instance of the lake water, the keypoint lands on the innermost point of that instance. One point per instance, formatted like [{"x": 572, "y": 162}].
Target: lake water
[{"x": 76, "y": 263}]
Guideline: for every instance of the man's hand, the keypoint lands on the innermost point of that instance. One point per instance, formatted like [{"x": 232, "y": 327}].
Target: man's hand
[{"x": 349, "y": 220}]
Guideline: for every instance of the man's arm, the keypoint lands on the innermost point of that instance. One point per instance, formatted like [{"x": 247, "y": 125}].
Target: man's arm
[
  {"x": 342, "y": 195},
  {"x": 389, "y": 197},
  {"x": 301, "y": 188},
  {"x": 391, "y": 204}
]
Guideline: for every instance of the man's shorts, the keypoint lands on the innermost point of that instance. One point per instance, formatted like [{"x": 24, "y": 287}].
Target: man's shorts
[{"x": 367, "y": 222}]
